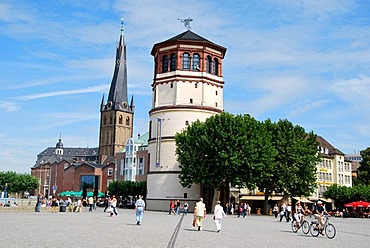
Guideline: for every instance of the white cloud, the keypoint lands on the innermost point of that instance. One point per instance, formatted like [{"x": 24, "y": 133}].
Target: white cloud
[
  {"x": 9, "y": 106},
  {"x": 99, "y": 88}
]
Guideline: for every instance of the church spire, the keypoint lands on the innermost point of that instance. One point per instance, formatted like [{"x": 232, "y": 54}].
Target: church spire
[{"x": 118, "y": 88}]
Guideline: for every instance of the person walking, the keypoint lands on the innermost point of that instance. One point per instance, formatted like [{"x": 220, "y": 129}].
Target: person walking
[
  {"x": 113, "y": 204},
  {"x": 139, "y": 210},
  {"x": 282, "y": 212},
  {"x": 38, "y": 204},
  {"x": 218, "y": 215},
  {"x": 200, "y": 213},
  {"x": 91, "y": 203},
  {"x": 186, "y": 207},
  {"x": 178, "y": 207},
  {"x": 172, "y": 207}
]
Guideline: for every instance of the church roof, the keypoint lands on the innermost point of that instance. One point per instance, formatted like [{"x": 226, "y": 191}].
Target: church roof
[{"x": 118, "y": 88}]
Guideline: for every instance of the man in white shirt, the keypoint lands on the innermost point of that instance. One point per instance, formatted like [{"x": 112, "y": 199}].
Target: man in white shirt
[
  {"x": 218, "y": 215},
  {"x": 200, "y": 213}
]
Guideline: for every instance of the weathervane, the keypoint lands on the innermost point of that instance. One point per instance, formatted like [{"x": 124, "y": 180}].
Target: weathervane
[
  {"x": 122, "y": 25},
  {"x": 186, "y": 22}
]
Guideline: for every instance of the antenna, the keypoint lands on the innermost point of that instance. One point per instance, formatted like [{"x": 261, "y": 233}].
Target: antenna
[{"x": 186, "y": 22}]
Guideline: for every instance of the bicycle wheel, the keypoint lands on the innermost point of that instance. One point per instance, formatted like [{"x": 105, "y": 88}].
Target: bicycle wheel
[
  {"x": 305, "y": 227},
  {"x": 330, "y": 231},
  {"x": 294, "y": 226},
  {"x": 314, "y": 229}
]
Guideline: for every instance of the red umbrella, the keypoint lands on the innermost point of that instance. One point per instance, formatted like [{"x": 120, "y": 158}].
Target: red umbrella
[{"x": 358, "y": 204}]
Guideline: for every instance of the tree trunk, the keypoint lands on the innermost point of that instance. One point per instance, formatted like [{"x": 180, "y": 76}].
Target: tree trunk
[
  {"x": 266, "y": 202},
  {"x": 216, "y": 197}
]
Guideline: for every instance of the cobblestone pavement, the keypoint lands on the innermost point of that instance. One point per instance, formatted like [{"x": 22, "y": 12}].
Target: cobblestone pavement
[{"x": 159, "y": 229}]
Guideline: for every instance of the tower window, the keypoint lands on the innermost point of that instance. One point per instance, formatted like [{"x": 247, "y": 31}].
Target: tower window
[
  {"x": 208, "y": 64},
  {"x": 196, "y": 62},
  {"x": 187, "y": 123},
  {"x": 165, "y": 63},
  {"x": 191, "y": 100},
  {"x": 216, "y": 104},
  {"x": 195, "y": 85},
  {"x": 215, "y": 66},
  {"x": 105, "y": 121},
  {"x": 216, "y": 93},
  {"x": 171, "y": 85},
  {"x": 120, "y": 119},
  {"x": 173, "y": 62},
  {"x": 110, "y": 120},
  {"x": 127, "y": 121},
  {"x": 186, "y": 61}
]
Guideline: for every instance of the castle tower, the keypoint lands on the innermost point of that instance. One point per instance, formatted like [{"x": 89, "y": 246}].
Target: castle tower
[
  {"x": 187, "y": 86},
  {"x": 116, "y": 116}
]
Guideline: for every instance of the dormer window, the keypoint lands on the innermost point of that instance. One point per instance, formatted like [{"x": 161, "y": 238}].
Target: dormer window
[{"x": 215, "y": 66}]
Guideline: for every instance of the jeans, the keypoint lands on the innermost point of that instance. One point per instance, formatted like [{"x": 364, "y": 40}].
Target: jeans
[
  {"x": 38, "y": 205},
  {"x": 139, "y": 214},
  {"x": 178, "y": 210}
]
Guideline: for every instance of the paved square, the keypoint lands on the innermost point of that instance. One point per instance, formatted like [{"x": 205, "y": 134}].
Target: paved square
[{"x": 97, "y": 229}]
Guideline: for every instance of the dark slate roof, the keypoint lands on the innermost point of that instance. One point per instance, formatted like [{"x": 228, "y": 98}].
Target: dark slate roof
[
  {"x": 188, "y": 36},
  {"x": 118, "y": 88},
  {"x": 49, "y": 156}
]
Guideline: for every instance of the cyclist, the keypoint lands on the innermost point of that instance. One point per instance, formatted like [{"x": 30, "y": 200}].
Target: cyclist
[
  {"x": 298, "y": 215},
  {"x": 318, "y": 213}
]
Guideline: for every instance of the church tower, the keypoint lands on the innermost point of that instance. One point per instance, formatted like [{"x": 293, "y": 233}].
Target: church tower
[
  {"x": 116, "y": 115},
  {"x": 187, "y": 86}
]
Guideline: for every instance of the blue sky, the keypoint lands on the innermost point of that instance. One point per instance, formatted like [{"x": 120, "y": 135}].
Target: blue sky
[{"x": 305, "y": 61}]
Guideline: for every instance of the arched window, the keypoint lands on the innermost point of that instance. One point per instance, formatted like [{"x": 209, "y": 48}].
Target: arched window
[
  {"x": 196, "y": 62},
  {"x": 215, "y": 66},
  {"x": 173, "y": 62},
  {"x": 120, "y": 119},
  {"x": 208, "y": 64},
  {"x": 165, "y": 63},
  {"x": 127, "y": 121},
  {"x": 186, "y": 61}
]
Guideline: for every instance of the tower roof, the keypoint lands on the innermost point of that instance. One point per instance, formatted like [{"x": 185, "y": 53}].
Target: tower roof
[
  {"x": 118, "y": 88},
  {"x": 188, "y": 36}
]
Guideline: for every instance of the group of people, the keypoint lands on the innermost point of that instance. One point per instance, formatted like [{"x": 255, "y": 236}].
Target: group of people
[
  {"x": 175, "y": 207},
  {"x": 200, "y": 214},
  {"x": 318, "y": 212}
]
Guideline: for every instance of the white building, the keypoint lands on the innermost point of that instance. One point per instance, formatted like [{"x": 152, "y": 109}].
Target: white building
[{"x": 187, "y": 86}]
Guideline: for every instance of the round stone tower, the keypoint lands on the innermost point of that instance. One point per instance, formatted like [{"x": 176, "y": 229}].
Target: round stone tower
[{"x": 187, "y": 86}]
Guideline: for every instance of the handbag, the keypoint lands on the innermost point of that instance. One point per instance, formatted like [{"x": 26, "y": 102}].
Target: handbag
[{"x": 194, "y": 221}]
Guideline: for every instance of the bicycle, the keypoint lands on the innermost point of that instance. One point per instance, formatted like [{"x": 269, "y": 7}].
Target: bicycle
[
  {"x": 329, "y": 228},
  {"x": 303, "y": 224}
]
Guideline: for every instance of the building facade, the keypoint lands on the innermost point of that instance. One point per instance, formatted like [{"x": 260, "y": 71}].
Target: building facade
[{"x": 187, "y": 86}]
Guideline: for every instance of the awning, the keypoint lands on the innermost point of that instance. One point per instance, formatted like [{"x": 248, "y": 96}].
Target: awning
[
  {"x": 326, "y": 200},
  {"x": 303, "y": 199},
  {"x": 260, "y": 198}
]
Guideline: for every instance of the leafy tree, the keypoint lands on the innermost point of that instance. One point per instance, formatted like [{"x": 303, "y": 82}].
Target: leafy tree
[
  {"x": 18, "y": 183},
  {"x": 224, "y": 149},
  {"x": 343, "y": 194},
  {"x": 364, "y": 169},
  {"x": 293, "y": 169},
  {"x": 125, "y": 188}
]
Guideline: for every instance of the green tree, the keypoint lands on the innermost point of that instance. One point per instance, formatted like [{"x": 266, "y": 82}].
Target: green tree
[
  {"x": 340, "y": 194},
  {"x": 18, "y": 183},
  {"x": 125, "y": 188},
  {"x": 364, "y": 169},
  {"x": 224, "y": 149},
  {"x": 293, "y": 169}
]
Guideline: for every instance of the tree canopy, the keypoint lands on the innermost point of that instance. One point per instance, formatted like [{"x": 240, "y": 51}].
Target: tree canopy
[
  {"x": 342, "y": 194},
  {"x": 18, "y": 183},
  {"x": 238, "y": 149},
  {"x": 127, "y": 188},
  {"x": 364, "y": 169}
]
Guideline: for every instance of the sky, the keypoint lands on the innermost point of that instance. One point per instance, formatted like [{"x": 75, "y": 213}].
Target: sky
[{"x": 305, "y": 61}]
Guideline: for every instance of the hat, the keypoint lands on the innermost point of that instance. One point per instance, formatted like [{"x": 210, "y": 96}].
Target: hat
[{"x": 319, "y": 202}]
